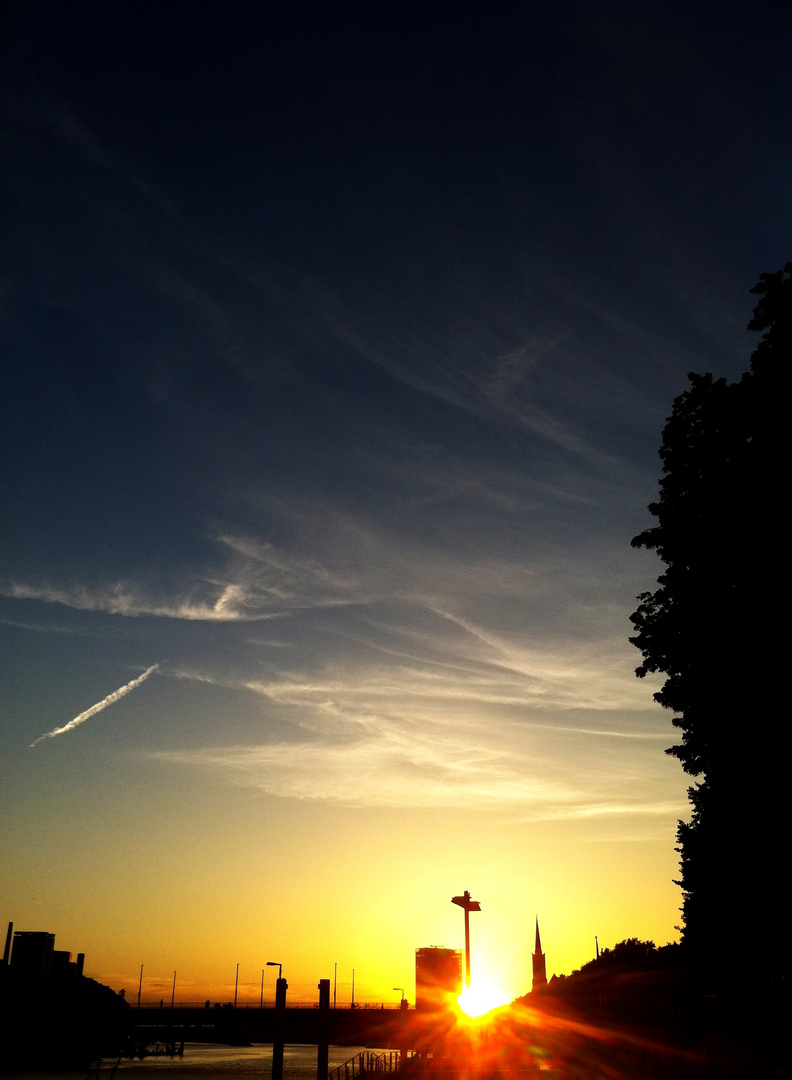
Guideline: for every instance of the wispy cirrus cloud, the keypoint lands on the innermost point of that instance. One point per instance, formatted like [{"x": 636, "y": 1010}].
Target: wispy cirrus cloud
[
  {"x": 450, "y": 723},
  {"x": 259, "y": 581},
  {"x": 384, "y": 770},
  {"x": 130, "y": 600},
  {"x": 494, "y": 391},
  {"x": 390, "y": 767},
  {"x": 405, "y": 677},
  {"x": 246, "y": 595}
]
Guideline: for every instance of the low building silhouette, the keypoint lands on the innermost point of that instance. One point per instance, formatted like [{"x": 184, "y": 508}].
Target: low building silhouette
[{"x": 71, "y": 1020}]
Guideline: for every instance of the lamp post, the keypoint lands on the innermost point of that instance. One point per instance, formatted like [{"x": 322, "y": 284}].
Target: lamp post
[
  {"x": 261, "y": 999},
  {"x": 402, "y": 991},
  {"x": 236, "y": 986},
  {"x": 467, "y": 906},
  {"x": 140, "y": 984},
  {"x": 173, "y": 989}
]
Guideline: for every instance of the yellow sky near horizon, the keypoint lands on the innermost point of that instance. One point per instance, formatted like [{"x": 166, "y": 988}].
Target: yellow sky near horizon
[
  {"x": 323, "y": 888},
  {"x": 197, "y": 823}
]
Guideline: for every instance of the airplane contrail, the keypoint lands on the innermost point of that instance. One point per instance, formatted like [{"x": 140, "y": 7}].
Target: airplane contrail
[{"x": 94, "y": 709}]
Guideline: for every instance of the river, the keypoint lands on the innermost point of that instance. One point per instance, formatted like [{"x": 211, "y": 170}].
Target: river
[{"x": 205, "y": 1061}]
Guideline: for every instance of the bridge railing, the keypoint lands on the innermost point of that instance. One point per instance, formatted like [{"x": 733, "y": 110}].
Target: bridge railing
[
  {"x": 166, "y": 1005},
  {"x": 366, "y": 1063}
]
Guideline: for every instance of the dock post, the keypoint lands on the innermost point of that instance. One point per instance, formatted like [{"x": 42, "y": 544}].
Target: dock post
[
  {"x": 281, "y": 986},
  {"x": 322, "y": 1049}
]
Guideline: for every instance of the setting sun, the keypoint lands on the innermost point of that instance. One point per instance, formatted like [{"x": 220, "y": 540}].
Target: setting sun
[{"x": 481, "y": 997}]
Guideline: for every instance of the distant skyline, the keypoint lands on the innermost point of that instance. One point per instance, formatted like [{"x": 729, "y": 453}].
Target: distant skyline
[{"x": 339, "y": 342}]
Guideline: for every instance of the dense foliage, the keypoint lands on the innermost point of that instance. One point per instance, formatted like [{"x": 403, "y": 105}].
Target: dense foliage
[{"x": 714, "y": 628}]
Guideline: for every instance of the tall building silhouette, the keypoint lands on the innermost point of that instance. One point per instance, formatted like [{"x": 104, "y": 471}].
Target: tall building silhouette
[
  {"x": 539, "y": 980},
  {"x": 438, "y": 976},
  {"x": 32, "y": 952}
]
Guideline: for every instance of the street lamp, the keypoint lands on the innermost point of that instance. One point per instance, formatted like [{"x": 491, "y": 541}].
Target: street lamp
[
  {"x": 402, "y": 991},
  {"x": 274, "y": 963},
  {"x": 467, "y": 905},
  {"x": 236, "y": 986}
]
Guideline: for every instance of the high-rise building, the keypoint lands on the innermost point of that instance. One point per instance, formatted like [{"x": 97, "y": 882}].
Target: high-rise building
[
  {"x": 438, "y": 976},
  {"x": 32, "y": 952},
  {"x": 539, "y": 966},
  {"x": 34, "y": 955}
]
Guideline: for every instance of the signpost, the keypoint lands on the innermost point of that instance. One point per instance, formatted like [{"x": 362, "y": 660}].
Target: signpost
[{"x": 467, "y": 905}]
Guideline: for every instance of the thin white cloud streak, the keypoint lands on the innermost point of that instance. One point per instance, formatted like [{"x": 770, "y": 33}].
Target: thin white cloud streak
[
  {"x": 389, "y": 771},
  {"x": 345, "y": 560},
  {"x": 39, "y": 628},
  {"x": 128, "y": 601},
  {"x": 493, "y": 387},
  {"x": 553, "y": 683},
  {"x": 480, "y": 394},
  {"x": 100, "y": 705},
  {"x": 483, "y": 666},
  {"x": 261, "y": 583}
]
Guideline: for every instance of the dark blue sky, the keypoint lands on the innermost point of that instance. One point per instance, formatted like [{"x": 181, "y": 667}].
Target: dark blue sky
[{"x": 338, "y": 340}]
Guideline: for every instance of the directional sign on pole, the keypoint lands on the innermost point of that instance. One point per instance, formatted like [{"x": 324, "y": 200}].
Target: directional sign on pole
[{"x": 467, "y": 905}]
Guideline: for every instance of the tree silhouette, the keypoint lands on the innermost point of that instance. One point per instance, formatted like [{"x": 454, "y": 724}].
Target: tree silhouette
[{"x": 714, "y": 627}]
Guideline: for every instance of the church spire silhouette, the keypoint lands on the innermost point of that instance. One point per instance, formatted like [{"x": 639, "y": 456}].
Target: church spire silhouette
[{"x": 539, "y": 966}]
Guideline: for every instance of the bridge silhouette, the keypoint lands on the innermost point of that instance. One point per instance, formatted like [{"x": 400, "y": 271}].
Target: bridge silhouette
[
  {"x": 415, "y": 1044},
  {"x": 386, "y": 1028}
]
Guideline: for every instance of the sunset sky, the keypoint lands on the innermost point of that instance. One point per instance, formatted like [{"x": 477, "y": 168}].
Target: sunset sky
[{"x": 339, "y": 340}]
